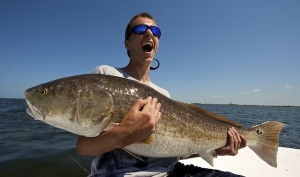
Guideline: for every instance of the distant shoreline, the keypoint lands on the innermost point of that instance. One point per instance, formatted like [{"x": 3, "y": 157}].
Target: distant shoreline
[
  {"x": 12, "y": 98},
  {"x": 230, "y": 104}
]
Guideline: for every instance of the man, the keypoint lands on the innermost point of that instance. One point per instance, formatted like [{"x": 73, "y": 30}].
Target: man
[{"x": 141, "y": 41}]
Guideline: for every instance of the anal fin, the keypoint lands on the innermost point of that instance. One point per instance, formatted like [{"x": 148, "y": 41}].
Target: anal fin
[{"x": 209, "y": 156}]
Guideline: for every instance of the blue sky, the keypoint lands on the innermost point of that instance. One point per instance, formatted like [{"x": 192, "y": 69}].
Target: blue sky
[{"x": 235, "y": 51}]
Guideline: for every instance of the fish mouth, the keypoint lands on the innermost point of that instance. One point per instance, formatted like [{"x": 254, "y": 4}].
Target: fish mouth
[{"x": 35, "y": 112}]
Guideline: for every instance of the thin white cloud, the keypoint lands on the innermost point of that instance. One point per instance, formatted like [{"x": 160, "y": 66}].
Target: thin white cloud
[
  {"x": 256, "y": 90},
  {"x": 214, "y": 97},
  {"x": 249, "y": 92},
  {"x": 288, "y": 86}
]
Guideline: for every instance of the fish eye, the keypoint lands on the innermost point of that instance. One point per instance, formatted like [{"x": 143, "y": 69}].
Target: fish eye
[{"x": 44, "y": 91}]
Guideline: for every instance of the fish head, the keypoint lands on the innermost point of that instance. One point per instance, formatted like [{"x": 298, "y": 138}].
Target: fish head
[
  {"x": 73, "y": 104},
  {"x": 44, "y": 101}
]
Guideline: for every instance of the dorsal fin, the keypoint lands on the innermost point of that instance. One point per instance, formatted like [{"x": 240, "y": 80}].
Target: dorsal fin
[{"x": 210, "y": 114}]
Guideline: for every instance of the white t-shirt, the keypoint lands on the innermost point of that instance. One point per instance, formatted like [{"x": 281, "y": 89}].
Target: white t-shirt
[{"x": 119, "y": 72}]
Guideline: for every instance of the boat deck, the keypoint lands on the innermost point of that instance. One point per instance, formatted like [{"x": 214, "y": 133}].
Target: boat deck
[{"x": 247, "y": 163}]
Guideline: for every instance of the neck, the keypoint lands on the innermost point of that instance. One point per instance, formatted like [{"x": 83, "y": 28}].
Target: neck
[{"x": 141, "y": 73}]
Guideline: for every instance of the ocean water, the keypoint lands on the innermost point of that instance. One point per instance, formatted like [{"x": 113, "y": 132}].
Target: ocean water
[{"x": 32, "y": 148}]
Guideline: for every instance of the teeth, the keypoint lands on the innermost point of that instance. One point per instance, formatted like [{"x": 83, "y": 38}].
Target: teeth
[{"x": 148, "y": 46}]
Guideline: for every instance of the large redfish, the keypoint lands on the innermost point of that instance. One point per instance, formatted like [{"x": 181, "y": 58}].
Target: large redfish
[{"x": 87, "y": 104}]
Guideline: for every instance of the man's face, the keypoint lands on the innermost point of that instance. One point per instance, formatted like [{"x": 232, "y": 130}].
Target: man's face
[{"x": 142, "y": 47}]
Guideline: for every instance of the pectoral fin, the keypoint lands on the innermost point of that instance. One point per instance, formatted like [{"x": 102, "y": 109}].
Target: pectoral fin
[
  {"x": 148, "y": 140},
  {"x": 110, "y": 126}
]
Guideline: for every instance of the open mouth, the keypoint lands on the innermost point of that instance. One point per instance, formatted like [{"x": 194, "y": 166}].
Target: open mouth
[
  {"x": 34, "y": 112},
  {"x": 148, "y": 47}
]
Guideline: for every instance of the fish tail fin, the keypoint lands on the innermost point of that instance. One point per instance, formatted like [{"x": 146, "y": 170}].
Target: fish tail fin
[{"x": 267, "y": 142}]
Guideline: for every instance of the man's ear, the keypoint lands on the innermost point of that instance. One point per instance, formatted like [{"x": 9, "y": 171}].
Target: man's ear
[
  {"x": 126, "y": 43},
  {"x": 127, "y": 46}
]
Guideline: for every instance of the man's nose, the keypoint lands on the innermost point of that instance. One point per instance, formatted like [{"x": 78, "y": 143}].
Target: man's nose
[{"x": 148, "y": 33}]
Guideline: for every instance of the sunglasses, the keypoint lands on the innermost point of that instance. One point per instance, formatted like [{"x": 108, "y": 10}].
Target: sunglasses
[{"x": 141, "y": 29}]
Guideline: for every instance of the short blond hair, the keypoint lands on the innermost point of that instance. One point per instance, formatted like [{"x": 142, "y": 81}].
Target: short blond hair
[{"x": 129, "y": 26}]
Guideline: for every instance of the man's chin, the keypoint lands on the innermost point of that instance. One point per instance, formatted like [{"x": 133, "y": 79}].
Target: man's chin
[{"x": 149, "y": 55}]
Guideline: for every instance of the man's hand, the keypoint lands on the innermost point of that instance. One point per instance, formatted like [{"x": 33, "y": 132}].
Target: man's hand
[
  {"x": 136, "y": 126},
  {"x": 139, "y": 123},
  {"x": 235, "y": 141}
]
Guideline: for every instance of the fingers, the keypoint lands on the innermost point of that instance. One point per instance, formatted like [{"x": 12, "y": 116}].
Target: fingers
[
  {"x": 149, "y": 106},
  {"x": 139, "y": 122},
  {"x": 155, "y": 109},
  {"x": 235, "y": 141},
  {"x": 139, "y": 104},
  {"x": 152, "y": 108},
  {"x": 244, "y": 142}
]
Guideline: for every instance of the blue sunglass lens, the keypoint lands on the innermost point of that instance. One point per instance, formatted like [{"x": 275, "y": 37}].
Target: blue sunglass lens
[
  {"x": 141, "y": 29},
  {"x": 156, "y": 31}
]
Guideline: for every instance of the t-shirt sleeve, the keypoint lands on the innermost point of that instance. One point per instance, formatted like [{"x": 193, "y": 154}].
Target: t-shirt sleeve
[{"x": 107, "y": 70}]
